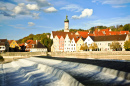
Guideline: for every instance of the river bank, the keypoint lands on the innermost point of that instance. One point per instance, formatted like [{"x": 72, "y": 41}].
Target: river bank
[{"x": 113, "y": 55}]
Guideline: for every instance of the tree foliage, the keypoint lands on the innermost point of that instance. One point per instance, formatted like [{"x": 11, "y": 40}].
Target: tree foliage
[
  {"x": 127, "y": 45},
  {"x": 93, "y": 46},
  {"x": 84, "y": 47},
  {"x": 42, "y": 37},
  {"x": 115, "y": 46}
]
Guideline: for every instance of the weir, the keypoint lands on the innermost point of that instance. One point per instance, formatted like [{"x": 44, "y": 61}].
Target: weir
[{"x": 44, "y": 71}]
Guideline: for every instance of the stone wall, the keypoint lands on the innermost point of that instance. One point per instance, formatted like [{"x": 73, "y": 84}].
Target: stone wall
[{"x": 24, "y": 54}]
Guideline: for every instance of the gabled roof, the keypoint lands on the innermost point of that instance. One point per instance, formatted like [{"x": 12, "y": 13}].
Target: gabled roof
[
  {"x": 60, "y": 33},
  {"x": 10, "y": 41},
  {"x": 39, "y": 45},
  {"x": 2, "y": 41},
  {"x": 109, "y": 38}
]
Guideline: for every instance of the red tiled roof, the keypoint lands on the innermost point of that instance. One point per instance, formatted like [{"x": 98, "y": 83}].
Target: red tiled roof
[
  {"x": 83, "y": 33},
  {"x": 21, "y": 44},
  {"x": 10, "y": 41}
]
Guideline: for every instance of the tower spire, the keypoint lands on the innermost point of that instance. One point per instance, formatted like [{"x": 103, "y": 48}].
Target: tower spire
[{"x": 66, "y": 22}]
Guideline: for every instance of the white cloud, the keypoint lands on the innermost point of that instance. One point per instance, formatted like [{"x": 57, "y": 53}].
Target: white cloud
[
  {"x": 41, "y": 3},
  {"x": 85, "y": 13},
  {"x": 9, "y": 6},
  {"x": 21, "y": 9},
  {"x": 32, "y": 7},
  {"x": 72, "y": 7},
  {"x": 3, "y": 8},
  {"x": 31, "y": 24},
  {"x": 112, "y": 1},
  {"x": 50, "y": 10},
  {"x": 118, "y": 6},
  {"x": 35, "y": 15}
]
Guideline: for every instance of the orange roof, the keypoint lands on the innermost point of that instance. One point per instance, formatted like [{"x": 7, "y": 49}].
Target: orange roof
[
  {"x": 83, "y": 33},
  {"x": 59, "y": 37},
  {"x": 60, "y": 33},
  {"x": 21, "y": 44},
  {"x": 10, "y": 41}
]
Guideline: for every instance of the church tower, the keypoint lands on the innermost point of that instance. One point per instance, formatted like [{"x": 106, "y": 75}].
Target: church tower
[{"x": 66, "y": 22}]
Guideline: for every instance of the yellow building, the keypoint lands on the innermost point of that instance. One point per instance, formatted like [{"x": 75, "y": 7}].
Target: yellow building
[
  {"x": 79, "y": 43},
  {"x": 13, "y": 44}
]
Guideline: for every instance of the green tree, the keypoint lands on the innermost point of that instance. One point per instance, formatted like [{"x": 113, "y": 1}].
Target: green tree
[
  {"x": 115, "y": 46},
  {"x": 126, "y": 27},
  {"x": 127, "y": 45}
]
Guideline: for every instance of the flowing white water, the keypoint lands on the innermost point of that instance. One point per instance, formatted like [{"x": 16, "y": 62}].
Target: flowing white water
[
  {"x": 49, "y": 72},
  {"x": 29, "y": 73}
]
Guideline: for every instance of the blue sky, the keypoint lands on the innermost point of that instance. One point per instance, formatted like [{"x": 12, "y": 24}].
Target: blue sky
[{"x": 19, "y": 18}]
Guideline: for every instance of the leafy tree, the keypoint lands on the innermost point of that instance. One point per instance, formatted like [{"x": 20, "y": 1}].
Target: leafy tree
[
  {"x": 93, "y": 46},
  {"x": 84, "y": 47},
  {"x": 127, "y": 45},
  {"x": 126, "y": 27},
  {"x": 115, "y": 46},
  {"x": 31, "y": 36}
]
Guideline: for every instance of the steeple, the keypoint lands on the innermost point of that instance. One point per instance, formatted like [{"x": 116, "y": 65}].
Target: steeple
[{"x": 66, "y": 22}]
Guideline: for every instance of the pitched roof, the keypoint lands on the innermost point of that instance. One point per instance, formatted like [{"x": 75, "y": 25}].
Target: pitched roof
[
  {"x": 21, "y": 44},
  {"x": 10, "y": 41},
  {"x": 60, "y": 33},
  {"x": 39, "y": 45},
  {"x": 109, "y": 38},
  {"x": 2, "y": 41},
  {"x": 84, "y": 34}
]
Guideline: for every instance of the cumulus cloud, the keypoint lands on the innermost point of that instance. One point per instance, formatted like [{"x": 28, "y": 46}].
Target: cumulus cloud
[
  {"x": 21, "y": 9},
  {"x": 50, "y": 10},
  {"x": 31, "y": 24},
  {"x": 41, "y": 3},
  {"x": 7, "y": 14},
  {"x": 3, "y": 8},
  {"x": 72, "y": 7},
  {"x": 35, "y": 15},
  {"x": 32, "y": 7},
  {"x": 85, "y": 13}
]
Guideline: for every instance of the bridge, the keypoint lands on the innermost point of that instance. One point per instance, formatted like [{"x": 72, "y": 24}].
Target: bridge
[{"x": 55, "y": 71}]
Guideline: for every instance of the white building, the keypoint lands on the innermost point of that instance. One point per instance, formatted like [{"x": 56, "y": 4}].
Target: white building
[
  {"x": 4, "y": 45},
  {"x": 38, "y": 47},
  {"x": 103, "y": 42},
  {"x": 67, "y": 44},
  {"x": 72, "y": 45}
]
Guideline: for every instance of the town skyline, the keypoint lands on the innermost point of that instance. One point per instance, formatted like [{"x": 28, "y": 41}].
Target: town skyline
[{"x": 21, "y": 18}]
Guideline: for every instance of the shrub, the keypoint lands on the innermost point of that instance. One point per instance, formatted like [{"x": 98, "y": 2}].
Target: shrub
[{"x": 1, "y": 58}]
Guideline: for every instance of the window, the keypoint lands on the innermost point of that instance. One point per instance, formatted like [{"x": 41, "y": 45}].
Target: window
[
  {"x": 13, "y": 42},
  {"x": 109, "y": 44},
  {"x": 74, "y": 44},
  {"x": 100, "y": 43}
]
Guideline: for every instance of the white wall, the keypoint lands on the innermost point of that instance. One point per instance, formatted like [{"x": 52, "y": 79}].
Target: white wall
[
  {"x": 88, "y": 41},
  {"x": 72, "y": 46},
  {"x": 67, "y": 43}
]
